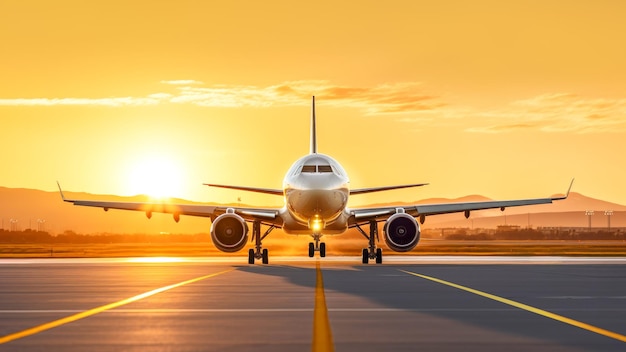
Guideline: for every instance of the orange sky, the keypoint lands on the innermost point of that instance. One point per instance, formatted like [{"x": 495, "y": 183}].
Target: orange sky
[{"x": 500, "y": 98}]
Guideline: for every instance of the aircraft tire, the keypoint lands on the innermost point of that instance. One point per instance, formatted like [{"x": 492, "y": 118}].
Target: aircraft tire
[
  {"x": 322, "y": 249},
  {"x": 311, "y": 249},
  {"x": 366, "y": 256},
  {"x": 379, "y": 256},
  {"x": 251, "y": 256},
  {"x": 265, "y": 256}
]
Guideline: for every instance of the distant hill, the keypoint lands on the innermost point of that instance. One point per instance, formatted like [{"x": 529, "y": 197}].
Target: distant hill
[
  {"x": 29, "y": 207},
  {"x": 35, "y": 209}
]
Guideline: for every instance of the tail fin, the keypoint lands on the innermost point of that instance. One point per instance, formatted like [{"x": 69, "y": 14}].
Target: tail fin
[{"x": 313, "y": 130}]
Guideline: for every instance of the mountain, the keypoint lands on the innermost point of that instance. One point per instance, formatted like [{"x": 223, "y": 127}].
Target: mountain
[
  {"x": 45, "y": 210},
  {"x": 39, "y": 209}
]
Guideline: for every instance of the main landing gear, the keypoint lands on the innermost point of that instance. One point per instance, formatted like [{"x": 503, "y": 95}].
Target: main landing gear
[
  {"x": 317, "y": 247},
  {"x": 371, "y": 252},
  {"x": 258, "y": 252}
]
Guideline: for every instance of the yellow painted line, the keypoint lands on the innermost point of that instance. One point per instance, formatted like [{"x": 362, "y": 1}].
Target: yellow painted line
[
  {"x": 528, "y": 308},
  {"x": 88, "y": 313},
  {"x": 322, "y": 335}
]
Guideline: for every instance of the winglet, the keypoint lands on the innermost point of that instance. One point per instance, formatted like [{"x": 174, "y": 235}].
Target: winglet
[
  {"x": 570, "y": 188},
  {"x": 313, "y": 129},
  {"x": 61, "y": 191},
  {"x": 566, "y": 194}
]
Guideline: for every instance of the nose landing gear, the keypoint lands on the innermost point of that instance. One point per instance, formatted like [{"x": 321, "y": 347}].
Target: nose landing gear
[{"x": 317, "y": 247}]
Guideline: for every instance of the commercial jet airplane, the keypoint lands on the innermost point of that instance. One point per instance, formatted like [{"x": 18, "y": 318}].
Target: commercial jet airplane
[{"x": 316, "y": 190}]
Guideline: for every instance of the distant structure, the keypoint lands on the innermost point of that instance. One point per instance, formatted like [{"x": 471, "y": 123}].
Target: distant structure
[
  {"x": 13, "y": 225},
  {"x": 608, "y": 214},
  {"x": 589, "y": 214},
  {"x": 41, "y": 225}
]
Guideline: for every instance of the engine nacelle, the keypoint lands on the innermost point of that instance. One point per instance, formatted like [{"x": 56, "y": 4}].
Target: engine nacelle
[
  {"x": 229, "y": 232},
  {"x": 402, "y": 232}
]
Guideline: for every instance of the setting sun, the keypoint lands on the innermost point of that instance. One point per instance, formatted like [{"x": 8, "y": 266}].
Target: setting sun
[{"x": 156, "y": 176}]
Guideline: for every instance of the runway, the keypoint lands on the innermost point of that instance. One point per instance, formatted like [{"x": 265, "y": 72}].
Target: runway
[{"x": 303, "y": 304}]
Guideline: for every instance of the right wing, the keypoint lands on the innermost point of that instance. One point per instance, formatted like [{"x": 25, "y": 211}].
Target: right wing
[
  {"x": 385, "y": 188},
  {"x": 266, "y": 216},
  {"x": 276, "y": 192},
  {"x": 420, "y": 211}
]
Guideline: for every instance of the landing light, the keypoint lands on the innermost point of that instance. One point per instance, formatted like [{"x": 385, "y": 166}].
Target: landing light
[{"x": 316, "y": 225}]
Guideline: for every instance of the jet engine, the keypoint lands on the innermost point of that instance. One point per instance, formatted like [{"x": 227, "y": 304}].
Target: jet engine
[
  {"x": 229, "y": 232},
  {"x": 402, "y": 232}
]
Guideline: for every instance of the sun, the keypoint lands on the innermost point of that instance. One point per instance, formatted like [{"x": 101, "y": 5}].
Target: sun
[{"x": 157, "y": 176}]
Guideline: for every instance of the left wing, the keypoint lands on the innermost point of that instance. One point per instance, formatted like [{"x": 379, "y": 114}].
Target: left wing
[
  {"x": 421, "y": 211},
  {"x": 266, "y": 216}
]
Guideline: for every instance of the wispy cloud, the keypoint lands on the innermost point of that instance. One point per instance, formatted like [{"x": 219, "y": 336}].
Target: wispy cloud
[
  {"x": 559, "y": 112},
  {"x": 387, "y": 98}
]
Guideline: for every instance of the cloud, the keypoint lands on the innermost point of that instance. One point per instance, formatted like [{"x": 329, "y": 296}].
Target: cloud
[
  {"x": 561, "y": 112},
  {"x": 389, "y": 98},
  {"x": 550, "y": 113},
  {"x": 381, "y": 99},
  {"x": 501, "y": 128}
]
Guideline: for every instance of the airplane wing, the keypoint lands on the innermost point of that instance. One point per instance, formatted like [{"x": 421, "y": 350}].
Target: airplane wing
[
  {"x": 386, "y": 188},
  {"x": 420, "y": 211},
  {"x": 266, "y": 216},
  {"x": 276, "y": 192}
]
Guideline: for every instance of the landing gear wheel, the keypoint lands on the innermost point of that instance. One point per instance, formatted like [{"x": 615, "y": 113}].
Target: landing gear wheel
[
  {"x": 371, "y": 252},
  {"x": 366, "y": 256},
  {"x": 259, "y": 252},
  {"x": 322, "y": 250},
  {"x": 311, "y": 249},
  {"x": 265, "y": 256},
  {"x": 251, "y": 256}
]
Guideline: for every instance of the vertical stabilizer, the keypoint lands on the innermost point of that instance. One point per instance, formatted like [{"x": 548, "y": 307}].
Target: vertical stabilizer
[{"x": 313, "y": 130}]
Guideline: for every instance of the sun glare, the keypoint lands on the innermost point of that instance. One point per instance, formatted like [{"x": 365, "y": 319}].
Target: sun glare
[{"x": 156, "y": 176}]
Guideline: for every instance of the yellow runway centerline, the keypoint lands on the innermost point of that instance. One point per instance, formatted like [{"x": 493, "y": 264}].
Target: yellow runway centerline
[
  {"x": 88, "y": 313},
  {"x": 526, "y": 307},
  {"x": 322, "y": 334}
]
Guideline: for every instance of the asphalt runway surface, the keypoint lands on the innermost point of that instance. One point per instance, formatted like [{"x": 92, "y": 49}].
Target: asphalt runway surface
[{"x": 303, "y": 304}]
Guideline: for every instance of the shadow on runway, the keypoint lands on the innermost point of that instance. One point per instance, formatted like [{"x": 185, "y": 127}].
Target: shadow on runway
[{"x": 388, "y": 289}]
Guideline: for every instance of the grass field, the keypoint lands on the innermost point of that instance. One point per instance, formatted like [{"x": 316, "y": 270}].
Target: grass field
[{"x": 298, "y": 248}]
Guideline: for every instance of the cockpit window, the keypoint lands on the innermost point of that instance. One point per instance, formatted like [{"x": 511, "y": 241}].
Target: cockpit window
[
  {"x": 308, "y": 168},
  {"x": 324, "y": 168},
  {"x": 317, "y": 168}
]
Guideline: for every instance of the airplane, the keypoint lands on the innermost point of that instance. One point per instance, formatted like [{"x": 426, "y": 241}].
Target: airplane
[{"x": 316, "y": 190}]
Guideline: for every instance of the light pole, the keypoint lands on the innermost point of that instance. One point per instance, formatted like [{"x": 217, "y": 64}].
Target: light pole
[
  {"x": 589, "y": 214},
  {"x": 13, "y": 225},
  {"x": 608, "y": 214},
  {"x": 41, "y": 225}
]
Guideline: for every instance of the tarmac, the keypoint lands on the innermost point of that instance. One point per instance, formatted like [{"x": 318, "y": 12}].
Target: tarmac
[{"x": 439, "y": 303}]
